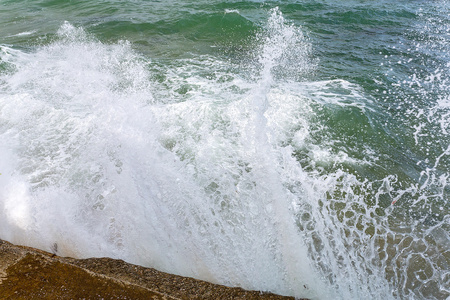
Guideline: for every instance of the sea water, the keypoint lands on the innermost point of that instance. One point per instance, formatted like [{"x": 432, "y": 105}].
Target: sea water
[{"x": 301, "y": 148}]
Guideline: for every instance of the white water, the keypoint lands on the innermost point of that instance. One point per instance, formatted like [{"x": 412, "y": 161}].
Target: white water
[
  {"x": 99, "y": 160},
  {"x": 89, "y": 171}
]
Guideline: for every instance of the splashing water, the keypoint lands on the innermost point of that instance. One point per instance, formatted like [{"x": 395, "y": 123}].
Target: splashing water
[{"x": 238, "y": 181}]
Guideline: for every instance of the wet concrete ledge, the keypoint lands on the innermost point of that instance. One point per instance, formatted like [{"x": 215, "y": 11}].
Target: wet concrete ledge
[{"x": 28, "y": 273}]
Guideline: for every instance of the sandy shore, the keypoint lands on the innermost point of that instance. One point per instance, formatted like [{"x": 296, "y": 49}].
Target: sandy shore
[{"x": 28, "y": 273}]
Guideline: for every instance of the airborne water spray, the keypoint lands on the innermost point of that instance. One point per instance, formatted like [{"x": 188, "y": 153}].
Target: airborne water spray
[
  {"x": 243, "y": 182},
  {"x": 99, "y": 167}
]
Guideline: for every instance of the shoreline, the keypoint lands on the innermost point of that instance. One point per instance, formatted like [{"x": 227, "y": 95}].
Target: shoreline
[{"x": 31, "y": 273}]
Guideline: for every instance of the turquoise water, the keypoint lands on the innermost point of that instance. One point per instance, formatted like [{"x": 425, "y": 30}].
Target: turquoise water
[{"x": 296, "y": 147}]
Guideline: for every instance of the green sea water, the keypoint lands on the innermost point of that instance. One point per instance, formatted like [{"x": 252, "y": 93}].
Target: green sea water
[{"x": 297, "y": 147}]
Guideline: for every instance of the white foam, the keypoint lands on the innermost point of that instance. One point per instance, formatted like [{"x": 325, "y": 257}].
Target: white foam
[
  {"x": 24, "y": 33},
  {"x": 92, "y": 177},
  {"x": 231, "y": 11},
  {"x": 103, "y": 161}
]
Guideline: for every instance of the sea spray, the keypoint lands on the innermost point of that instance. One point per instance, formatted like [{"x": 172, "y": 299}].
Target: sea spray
[
  {"x": 391, "y": 227},
  {"x": 263, "y": 177},
  {"x": 109, "y": 170},
  {"x": 278, "y": 41}
]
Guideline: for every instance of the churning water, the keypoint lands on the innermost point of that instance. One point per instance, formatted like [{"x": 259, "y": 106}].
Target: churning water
[{"x": 296, "y": 148}]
